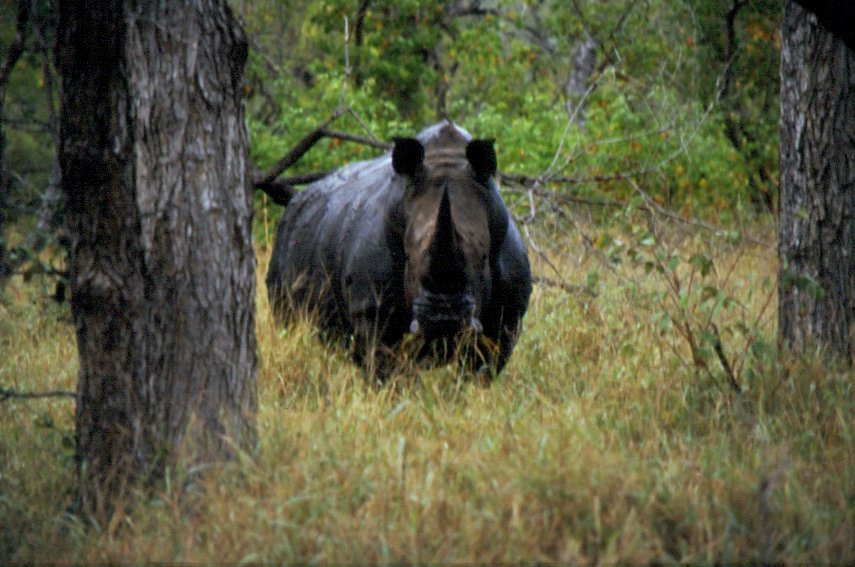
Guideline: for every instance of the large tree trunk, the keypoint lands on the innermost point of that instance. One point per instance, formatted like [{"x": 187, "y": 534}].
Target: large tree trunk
[
  {"x": 817, "y": 223},
  {"x": 153, "y": 151}
]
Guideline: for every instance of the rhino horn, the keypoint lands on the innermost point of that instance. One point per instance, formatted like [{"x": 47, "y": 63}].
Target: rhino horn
[{"x": 446, "y": 271}]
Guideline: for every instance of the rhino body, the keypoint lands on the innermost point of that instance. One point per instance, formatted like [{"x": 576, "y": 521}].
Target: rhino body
[{"x": 415, "y": 242}]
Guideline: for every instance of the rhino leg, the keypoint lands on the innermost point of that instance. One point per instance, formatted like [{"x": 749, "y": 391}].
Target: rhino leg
[{"x": 375, "y": 334}]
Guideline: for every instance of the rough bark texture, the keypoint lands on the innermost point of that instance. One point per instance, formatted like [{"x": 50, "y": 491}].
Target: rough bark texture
[
  {"x": 817, "y": 223},
  {"x": 153, "y": 154}
]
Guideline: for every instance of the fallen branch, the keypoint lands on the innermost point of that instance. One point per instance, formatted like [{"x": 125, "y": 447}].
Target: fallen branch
[
  {"x": 569, "y": 288},
  {"x": 7, "y": 394}
]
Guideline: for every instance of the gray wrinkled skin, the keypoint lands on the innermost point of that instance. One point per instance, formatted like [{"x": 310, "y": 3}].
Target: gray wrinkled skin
[{"x": 347, "y": 252}]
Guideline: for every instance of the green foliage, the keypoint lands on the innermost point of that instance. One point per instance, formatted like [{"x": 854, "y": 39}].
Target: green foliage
[{"x": 25, "y": 111}]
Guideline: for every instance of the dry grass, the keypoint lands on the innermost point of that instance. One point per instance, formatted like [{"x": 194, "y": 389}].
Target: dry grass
[{"x": 595, "y": 445}]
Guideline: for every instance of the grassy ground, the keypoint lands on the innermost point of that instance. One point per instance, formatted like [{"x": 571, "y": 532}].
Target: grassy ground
[{"x": 597, "y": 444}]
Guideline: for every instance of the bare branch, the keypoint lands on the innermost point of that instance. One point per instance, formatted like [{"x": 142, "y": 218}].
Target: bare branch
[
  {"x": 719, "y": 351},
  {"x": 650, "y": 205},
  {"x": 569, "y": 288},
  {"x": 348, "y": 137},
  {"x": 282, "y": 190},
  {"x": 8, "y": 394},
  {"x": 305, "y": 178},
  {"x": 655, "y": 207},
  {"x": 298, "y": 151}
]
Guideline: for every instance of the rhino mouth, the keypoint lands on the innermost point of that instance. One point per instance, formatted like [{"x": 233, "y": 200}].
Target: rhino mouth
[{"x": 440, "y": 315}]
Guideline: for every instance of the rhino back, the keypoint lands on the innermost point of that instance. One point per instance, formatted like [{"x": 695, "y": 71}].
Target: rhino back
[{"x": 331, "y": 230}]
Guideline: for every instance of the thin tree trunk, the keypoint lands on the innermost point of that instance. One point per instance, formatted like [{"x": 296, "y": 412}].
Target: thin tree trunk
[
  {"x": 817, "y": 222},
  {"x": 584, "y": 61},
  {"x": 16, "y": 49},
  {"x": 158, "y": 210}
]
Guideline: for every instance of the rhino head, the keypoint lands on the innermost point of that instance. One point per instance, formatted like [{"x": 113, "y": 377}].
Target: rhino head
[{"x": 452, "y": 221}]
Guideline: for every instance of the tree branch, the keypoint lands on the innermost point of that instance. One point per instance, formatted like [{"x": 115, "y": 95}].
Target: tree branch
[
  {"x": 282, "y": 190},
  {"x": 8, "y": 394},
  {"x": 295, "y": 153},
  {"x": 348, "y": 137}
]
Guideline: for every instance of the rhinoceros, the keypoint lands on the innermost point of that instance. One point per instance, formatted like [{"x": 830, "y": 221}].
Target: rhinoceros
[{"x": 415, "y": 242}]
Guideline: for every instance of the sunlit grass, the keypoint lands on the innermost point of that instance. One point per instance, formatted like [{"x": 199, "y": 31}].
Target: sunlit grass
[{"x": 596, "y": 444}]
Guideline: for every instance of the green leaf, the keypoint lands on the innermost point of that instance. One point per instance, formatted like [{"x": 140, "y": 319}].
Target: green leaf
[
  {"x": 647, "y": 239},
  {"x": 702, "y": 262}
]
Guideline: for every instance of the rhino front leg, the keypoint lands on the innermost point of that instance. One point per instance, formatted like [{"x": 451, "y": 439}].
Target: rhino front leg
[{"x": 374, "y": 338}]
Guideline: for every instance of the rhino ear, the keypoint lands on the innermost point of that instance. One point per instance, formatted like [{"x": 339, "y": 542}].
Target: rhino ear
[
  {"x": 407, "y": 156},
  {"x": 482, "y": 157}
]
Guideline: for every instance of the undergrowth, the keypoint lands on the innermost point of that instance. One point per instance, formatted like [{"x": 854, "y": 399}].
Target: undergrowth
[{"x": 608, "y": 438}]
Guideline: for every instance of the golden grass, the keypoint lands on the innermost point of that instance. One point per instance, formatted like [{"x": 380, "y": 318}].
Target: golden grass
[{"x": 595, "y": 445}]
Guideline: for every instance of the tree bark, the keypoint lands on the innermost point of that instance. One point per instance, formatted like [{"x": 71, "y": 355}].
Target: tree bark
[
  {"x": 817, "y": 209},
  {"x": 153, "y": 151}
]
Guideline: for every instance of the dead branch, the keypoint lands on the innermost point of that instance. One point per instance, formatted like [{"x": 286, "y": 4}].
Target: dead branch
[
  {"x": 348, "y": 137},
  {"x": 281, "y": 190},
  {"x": 569, "y": 288},
  {"x": 649, "y": 205},
  {"x": 8, "y": 394},
  {"x": 719, "y": 351},
  {"x": 294, "y": 154},
  {"x": 305, "y": 178}
]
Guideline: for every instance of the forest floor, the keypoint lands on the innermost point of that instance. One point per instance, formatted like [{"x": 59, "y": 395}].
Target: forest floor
[{"x": 605, "y": 440}]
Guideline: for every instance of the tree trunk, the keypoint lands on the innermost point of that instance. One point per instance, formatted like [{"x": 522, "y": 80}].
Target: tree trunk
[
  {"x": 153, "y": 150},
  {"x": 13, "y": 53},
  {"x": 817, "y": 222},
  {"x": 584, "y": 60}
]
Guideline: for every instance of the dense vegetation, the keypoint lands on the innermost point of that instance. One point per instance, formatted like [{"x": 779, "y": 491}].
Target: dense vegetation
[{"x": 646, "y": 415}]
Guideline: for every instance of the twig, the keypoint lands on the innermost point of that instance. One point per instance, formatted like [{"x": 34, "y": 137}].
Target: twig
[
  {"x": 653, "y": 206},
  {"x": 348, "y": 137},
  {"x": 7, "y": 394},
  {"x": 719, "y": 351},
  {"x": 305, "y": 178},
  {"x": 570, "y": 288}
]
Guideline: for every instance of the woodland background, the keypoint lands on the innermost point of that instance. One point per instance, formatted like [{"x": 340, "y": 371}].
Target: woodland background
[{"x": 647, "y": 414}]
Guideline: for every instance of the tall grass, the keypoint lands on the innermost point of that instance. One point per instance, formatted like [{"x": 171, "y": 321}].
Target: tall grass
[{"x": 596, "y": 444}]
